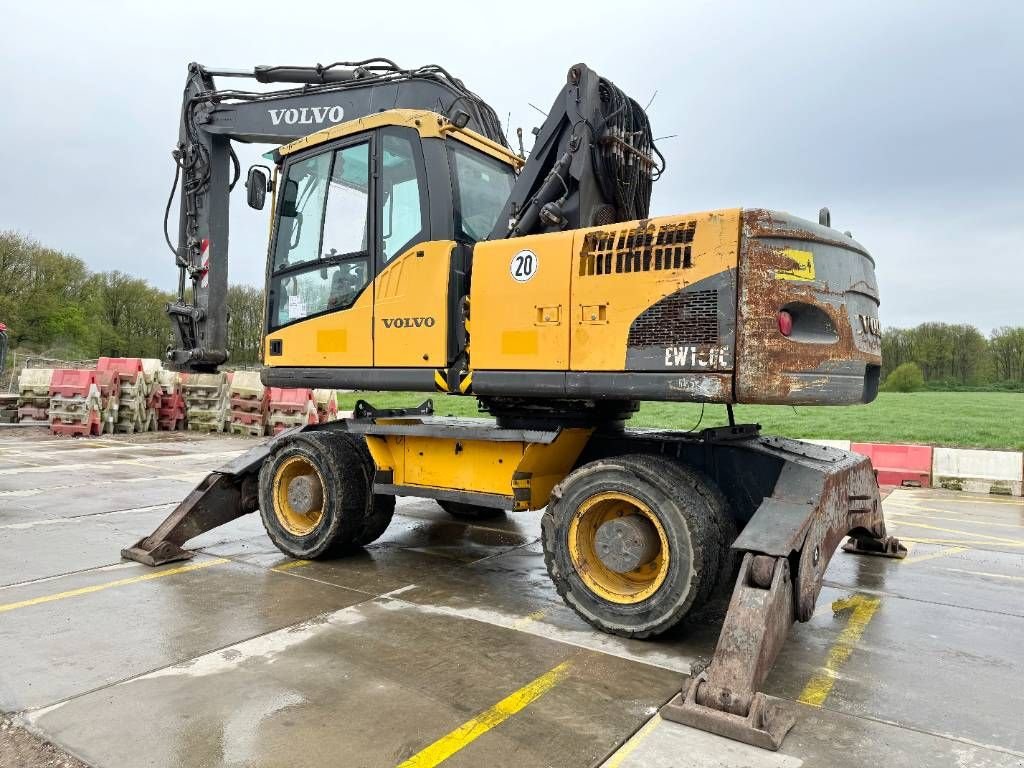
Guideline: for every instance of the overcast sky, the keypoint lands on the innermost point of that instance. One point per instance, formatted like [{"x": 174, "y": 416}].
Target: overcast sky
[{"x": 905, "y": 118}]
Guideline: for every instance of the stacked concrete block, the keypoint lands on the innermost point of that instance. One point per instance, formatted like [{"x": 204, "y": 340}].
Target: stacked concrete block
[
  {"x": 248, "y": 404},
  {"x": 132, "y": 407},
  {"x": 151, "y": 368},
  {"x": 109, "y": 385},
  {"x": 171, "y": 402},
  {"x": 326, "y": 404},
  {"x": 9, "y": 409},
  {"x": 207, "y": 401},
  {"x": 291, "y": 407},
  {"x": 75, "y": 402},
  {"x": 34, "y": 395}
]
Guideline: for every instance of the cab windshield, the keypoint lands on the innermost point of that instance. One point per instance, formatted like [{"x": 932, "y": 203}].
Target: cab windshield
[{"x": 321, "y": 259}]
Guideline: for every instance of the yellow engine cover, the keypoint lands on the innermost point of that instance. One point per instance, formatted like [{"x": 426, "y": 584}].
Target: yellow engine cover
[{"x": 567, "y": 300}]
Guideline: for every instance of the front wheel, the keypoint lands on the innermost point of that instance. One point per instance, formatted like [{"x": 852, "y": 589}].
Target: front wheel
[
  {"x": 316, "y": 496},
  {"x": 632, "y": 543}
]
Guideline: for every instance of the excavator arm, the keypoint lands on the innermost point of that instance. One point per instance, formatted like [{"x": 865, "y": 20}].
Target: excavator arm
[
  {"x": 207, "y": 167},
  {"x": 593, "y": 163}
]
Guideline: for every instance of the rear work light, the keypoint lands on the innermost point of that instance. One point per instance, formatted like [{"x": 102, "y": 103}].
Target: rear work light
[{"x": 785, "y": 322}]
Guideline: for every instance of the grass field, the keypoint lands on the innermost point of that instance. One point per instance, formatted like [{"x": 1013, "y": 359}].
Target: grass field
[{"x": 961, "y": 419}]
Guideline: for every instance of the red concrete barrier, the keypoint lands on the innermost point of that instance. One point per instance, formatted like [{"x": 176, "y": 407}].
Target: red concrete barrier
[
  {"x": 290, "y": 400},
  {"x": 109, "y": 384},
  {"x": 69, "y": 382},
  {"x": 125, "y": 367},
  {"x": 899, "y": 464}
]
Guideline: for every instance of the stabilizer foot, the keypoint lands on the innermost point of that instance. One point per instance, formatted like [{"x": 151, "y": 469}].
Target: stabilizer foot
[
  {"x": 724, "y": 698},
  {"x": 887, "y": 546},
  {"x": 145, "y": 552},
  {"x": 765, "y": 725}
]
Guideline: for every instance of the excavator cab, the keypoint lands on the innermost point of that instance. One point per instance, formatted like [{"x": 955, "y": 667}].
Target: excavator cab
[{"x": 373, "y": 227}]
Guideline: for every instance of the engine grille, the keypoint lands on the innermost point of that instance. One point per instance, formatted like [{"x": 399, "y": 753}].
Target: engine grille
[
  {"x": 689, "y": 317},
  {"x": 642, "y": 249}
]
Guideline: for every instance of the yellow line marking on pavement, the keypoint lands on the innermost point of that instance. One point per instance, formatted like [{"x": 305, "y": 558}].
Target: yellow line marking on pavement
[
  {"x": 959, "y": 520},
  {"x": 941, "y": 553},
  {"x": 949, "y": 542},
  {"x": 983, "y": 537},
  {"x": 983, "y": 573},
  {"x": 819, "y": 686},
  {"x": 1003, "y": 501},
  {"x": 627, "y": 749},
  {"x": 291, "y": 564},
  {"x": 473, "y": 729},
  {"x": 109, "y": 585}
]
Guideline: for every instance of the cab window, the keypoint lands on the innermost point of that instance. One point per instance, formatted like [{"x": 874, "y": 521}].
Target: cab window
[
  {"x": 401, "y": 195},
  {"x": 321, "y": 259},
  {"x": 482, "y": 185}
]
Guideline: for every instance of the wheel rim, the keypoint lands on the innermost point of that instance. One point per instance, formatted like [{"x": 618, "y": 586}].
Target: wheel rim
[
  {"x": 298, "y": 496},
  {"x": 625, "y": 588}
]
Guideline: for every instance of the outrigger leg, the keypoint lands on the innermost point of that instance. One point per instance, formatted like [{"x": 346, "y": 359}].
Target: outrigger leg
[
  {"x": 821, "y": 496},
  {"x": 226, "y": 493}
]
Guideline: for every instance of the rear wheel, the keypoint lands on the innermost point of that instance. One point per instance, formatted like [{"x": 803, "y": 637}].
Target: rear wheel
[
  {"x": 463, "y": 511},
  {"x": 632, "y": 543},
  {"x": 316, "y": 496}
]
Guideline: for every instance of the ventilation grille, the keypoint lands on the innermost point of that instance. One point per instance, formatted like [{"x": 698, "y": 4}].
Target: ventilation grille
[
  {"x": 683, "y": 318},
  {"x": 643, "y": 249}
]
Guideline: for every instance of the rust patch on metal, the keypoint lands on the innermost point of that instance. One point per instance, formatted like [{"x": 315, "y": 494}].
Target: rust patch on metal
[{"x": 772, "y": 368}]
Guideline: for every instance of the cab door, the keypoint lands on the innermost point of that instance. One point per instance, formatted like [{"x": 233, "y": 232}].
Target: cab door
[
  {"x": 321, "y": 262},
  {"x": 411, "y": 291}
]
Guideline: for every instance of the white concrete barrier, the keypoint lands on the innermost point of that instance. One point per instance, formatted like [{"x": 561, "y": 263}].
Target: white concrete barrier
[
  {"x": 978, "y": 471},
  {"x": 843, "y": 445}
]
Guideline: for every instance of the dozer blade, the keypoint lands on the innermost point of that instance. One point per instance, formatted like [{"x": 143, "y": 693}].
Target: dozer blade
[
  {"x": 225, "y": 494},
  {"x": 820, "y": 496}
]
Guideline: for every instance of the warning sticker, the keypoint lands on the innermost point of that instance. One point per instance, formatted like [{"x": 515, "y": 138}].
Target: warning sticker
[{"x": 296, "y": 307}]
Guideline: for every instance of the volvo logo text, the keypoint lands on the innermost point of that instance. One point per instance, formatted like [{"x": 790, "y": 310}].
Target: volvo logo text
[
  {"x": 408, "y": 322},
  {"x": 307, "y": 115}
]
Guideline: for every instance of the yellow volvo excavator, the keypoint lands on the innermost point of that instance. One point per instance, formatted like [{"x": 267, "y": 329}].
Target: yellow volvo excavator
[{"x": 412, "y": 249}]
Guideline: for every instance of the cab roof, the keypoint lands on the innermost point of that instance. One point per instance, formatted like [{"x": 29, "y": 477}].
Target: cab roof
[{"x": 429, "y": 125}]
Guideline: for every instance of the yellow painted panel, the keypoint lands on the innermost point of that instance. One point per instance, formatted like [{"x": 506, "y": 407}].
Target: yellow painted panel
[
  {"x": 480, "y": 466},
  {"x": 466, "y": 465},
  {"x": 505, "y": 310},
  {"x": 332, "y": 340},
  {"x": 411, "y": 312},
  {"x": 547, "y": 465},
  {"x": 519, "y": 342},
  {"x": 342, "y": 338},
  {"x": 605, "y": 302}
]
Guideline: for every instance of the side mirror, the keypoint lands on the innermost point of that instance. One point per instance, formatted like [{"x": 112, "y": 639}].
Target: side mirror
[{"x": 257, "y": 184}]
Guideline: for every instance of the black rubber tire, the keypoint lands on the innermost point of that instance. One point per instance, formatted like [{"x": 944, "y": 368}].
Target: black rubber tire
[
  {"x": 681, "y": 476},
  {"x": 346, "y": 490},
  {"x": 686, "y": 508},
  {"x": 381, "y": 507},
  {"x": 463, "y": 511}
]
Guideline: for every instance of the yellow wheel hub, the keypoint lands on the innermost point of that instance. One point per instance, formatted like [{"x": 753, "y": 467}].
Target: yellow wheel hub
[
  {"x": 298, "y": 496},
  {"x": 588, "y": 549}
]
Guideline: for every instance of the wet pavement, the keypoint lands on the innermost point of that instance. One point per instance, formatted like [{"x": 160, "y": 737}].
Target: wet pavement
[{"x": 444, "y": 642}]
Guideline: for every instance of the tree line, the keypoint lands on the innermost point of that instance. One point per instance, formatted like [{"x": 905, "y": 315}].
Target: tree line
[
  {"x": 957, "y": 356},
  {"x": 53, "y": 305}
]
